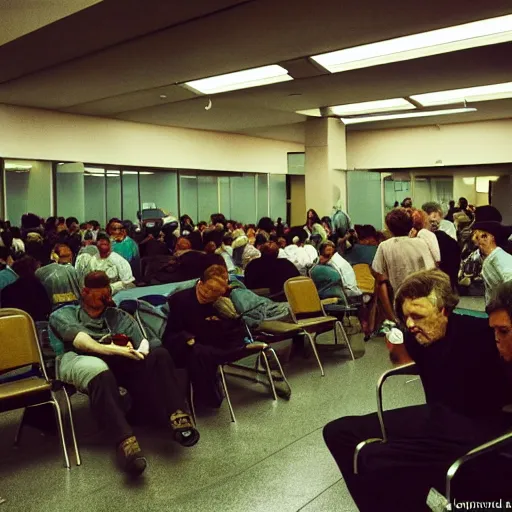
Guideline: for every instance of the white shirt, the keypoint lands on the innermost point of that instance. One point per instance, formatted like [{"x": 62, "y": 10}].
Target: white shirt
[
  {"x": 497, "y": 269},
  {"x": 302, "y": 257},
  {"x": 449, "y": 228},
  {"x": 348, "y": 276},
  {"x": 431, "y": 241},
  {"x": 401, "y": 256}
]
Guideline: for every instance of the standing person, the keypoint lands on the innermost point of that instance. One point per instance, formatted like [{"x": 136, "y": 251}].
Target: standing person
[
  {"x": 314, "y": 226},
  {"x": 489, "y": 237},
  {"x": 341, "y": 223},
  {"x": 399, "y": 257},
  {"x": 435, "y": 214},
  {"x": 406, "y": 203},
  {"x": 464, "y": 207},
  {"x": 451, "y": 211},
  {"x": 74, "y": 237},
  {"x": 421, "y": 229},
  {"x": 102, "y": 347}
]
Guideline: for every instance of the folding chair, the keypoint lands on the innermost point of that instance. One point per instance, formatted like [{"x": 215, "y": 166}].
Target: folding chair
[
  {"x": 491, "y": 445},
  {"x": 309, "y": 316},
  {"x": 20, "y": 347}
]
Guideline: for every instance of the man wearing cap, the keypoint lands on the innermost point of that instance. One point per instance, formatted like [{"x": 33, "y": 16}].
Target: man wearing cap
[
  {"x": 466, "y": 389},
  {"x": 99, "y": 348}
]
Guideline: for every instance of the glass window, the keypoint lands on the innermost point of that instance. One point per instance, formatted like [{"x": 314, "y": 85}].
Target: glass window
[
  {"x": 364, "y": 184},
  {"x": 159, "y": 188},
  {"x": 224, "y": 197},
  {"x": 130, "y": 195},
  {"x": 188, "y": 196},
  {"x": 70, "y": 184},
  {"x": 27, "y": 188},
  {"x": 94, "y": 195},
  {"x": 277, "y": 185},
  {"x": 243, "y": 199},
  {"x": 207, "y": 197},
  {"x": 113, "y": 190},
  {"x": 262, "y": 204}
]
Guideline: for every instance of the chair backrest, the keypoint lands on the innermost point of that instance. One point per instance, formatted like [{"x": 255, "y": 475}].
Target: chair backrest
[
  {"x": 303, "y": 298},
  {"x": 19, "y": 345},
  {"x": 364, "y": 278}
]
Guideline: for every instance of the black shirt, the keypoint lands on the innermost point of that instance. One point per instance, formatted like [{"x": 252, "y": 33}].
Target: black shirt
[
  {"x": 28, "y": 294},
  {"x": 450, "y": 255},
  {"x": 269, "y": 273},
  {"x": 463, "y": 371}
]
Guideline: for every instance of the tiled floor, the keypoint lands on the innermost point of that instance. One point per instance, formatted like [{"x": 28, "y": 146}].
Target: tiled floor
[{"x": 273, "y": 458}]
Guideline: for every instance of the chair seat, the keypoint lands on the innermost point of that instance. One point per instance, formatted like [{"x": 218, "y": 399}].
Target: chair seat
[
  {"x": 25, "y": 387},
  {"x": 317, "y": 321},
  {"x": 276, "y": 327}
]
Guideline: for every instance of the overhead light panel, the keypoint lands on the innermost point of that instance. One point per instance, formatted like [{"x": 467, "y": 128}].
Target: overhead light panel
[
  {"x": 405, "y": 115},
  {"x": 11, "y": 166},
  {"x": 433, "y": 42},
  {"x": 241, "y": 80},
  {"x": 480, "y": 93},
  {"x": 368, "y": 107}
]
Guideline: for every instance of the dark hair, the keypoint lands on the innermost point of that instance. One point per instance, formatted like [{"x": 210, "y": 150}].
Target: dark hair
[
  {"x": 501, "y": 299},
  {"x": 154, "y": 228},
  {"x": 399, "y": 222},
  {"x": 269, "y": 250},
  {"x": 98, "y": 279},
  {"x": 365, "y": 232},
  {"x": 7, "y": 237},
  {"x": 405, "y": 202},
  {"x": 315, "y": 219},
  {"x": 71, "y": 220},
  {"x": 94, "y": 223},
  {"x": 260, "y": 239},
  {"x": 451, "y": 203},
  {"x": 25, "y": 266},
  {"x": 432, "y": 207},
  {"x": 15, "y": 232},
  {"x": 102, "y": 236},
  {"x": 324, "y": 246},
  {"x": 30, "y": 221},
  {"x": 433, "y": 284},
  {"x": 227, "y": 239},
  {"x": 5, "y": 252},
  {"x": 217, "y": 218},
  {"x": 266, "y": 224},
  {"x": 463, "y": 202},
  {"x": 62, "y": 220}
]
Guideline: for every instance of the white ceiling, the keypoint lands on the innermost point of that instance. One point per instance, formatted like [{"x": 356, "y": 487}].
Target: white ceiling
[{"x": 118, "y": 57}]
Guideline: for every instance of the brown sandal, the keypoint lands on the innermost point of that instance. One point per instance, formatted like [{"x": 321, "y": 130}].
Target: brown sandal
[{"x": 184, "y": 429}]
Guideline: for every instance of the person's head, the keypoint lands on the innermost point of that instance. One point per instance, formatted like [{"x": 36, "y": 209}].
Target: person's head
[
  {"x": 7, "y": 238},
  {"x": 366, "y": 234},
  {"x": 96, "y": 293},
  {"x": 26, "y": 266},
  {"x": 5, "y": 256},
  {"x": 227, "y": 239},
  {"x": 64, "y": 253},
  {"x": 281, "y": 242},
  {"x": 424, "y": 303},
  {"x": 266, "y": 224},
  {"x": 202, "y": 225},
  {"x": 182, "y": 244},
  {"x": 489, "y": 235},
  {"x": 212, "y": 285},
  {"x": 210, "y": 247},
  {"x": 217, "y": 218},
  {"x": 312, "y": 217},
  {"x": 260, "y": 240},
  {"x": 116, "y": 230},
  {"x": 487, "y": 212},
  {"x": 407, "y": 203},
  {"x": 103, "y": 244},
  {"x": 326, "y": 250},
  {"x": 463, "y": 203},
  {"x": 94, "y": 225},
  {"x": 399, "y": 222},
  {"x": 72, "y": 224},
  {"x": 30, "y": 221},
  {"x": 420, "y": 219},
  {"x": 15, "y": 232},
  {"x": 269, "y": 250},
  {"x": 451, "y": 204},
  {"x": 396, "y": 204},
  {"x": 154, "y": 228},
  {"x": 500, "y": 319},
  {"x": 327, "y": 224},
  {"x": 61, "y": 220},
  {"x": 435, "y": 214},
  {"x": 50, "y": 224}
]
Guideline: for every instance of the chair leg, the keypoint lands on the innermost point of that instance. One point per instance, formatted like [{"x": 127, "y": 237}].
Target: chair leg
[
  {"x": 190, "y": 399},
  {"x": 19, "y": 431},
  {"x": 345, "y": 338},
  {"x": 72, "y": 425},
  {"x": 315, "y": 351},
  {"x": 276, "y": 359},
  {"x": 226, "y": 393},
  {"x": 269, "y": 374},
  {"x": 60, "y": 426}
]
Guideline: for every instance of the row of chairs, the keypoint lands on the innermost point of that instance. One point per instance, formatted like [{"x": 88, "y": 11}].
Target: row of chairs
[{"x": 21, "y": 347}]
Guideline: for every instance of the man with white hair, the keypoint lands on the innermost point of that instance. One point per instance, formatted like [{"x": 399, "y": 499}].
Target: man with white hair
[{"x": 437, "y": 221}]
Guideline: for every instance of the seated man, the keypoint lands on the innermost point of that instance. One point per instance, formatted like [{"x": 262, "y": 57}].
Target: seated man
[
  {"x": 115, "y": 266},
  {"x": 123, "y": 245},
  {"x": 365, "y": 248},
  {"x": 269, "y": 271},
  {"x": 199, "y": 339},
  {"x": 97, "y": 358},
  {"x": 465, "y": 387},
  {"x": 60, "y": 279}
]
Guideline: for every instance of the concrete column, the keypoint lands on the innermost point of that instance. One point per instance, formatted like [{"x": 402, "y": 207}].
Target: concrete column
[{"x": 326, "y": 163}]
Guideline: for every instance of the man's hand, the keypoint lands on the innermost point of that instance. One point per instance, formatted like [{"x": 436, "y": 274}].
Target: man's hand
[{"x": 127, "y": 351}]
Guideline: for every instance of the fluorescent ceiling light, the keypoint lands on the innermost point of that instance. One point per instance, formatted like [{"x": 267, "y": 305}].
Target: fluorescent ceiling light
[
  {"x": 17, "y": 167},
  {"x": 368, "y": 107},
  {"x": 405, "y": 115},
  {"x": 434, "y": 42},
  {"x": 241, "y": 79},
  {"x": 480, "y": 93}
]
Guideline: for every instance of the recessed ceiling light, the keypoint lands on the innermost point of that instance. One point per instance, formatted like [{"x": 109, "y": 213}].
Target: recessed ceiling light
[
  {"x": 368, "y": 107},
  {"x": 434, "y": 42},
  {"x": 405, "y": 115},
  {"x": 241, "y": 80},
  {"x": 163, "y": 96},
  {"x": 480, "y": 93}
]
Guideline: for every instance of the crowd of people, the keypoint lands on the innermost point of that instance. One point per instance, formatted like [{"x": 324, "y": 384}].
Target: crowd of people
[{"x": 409, "y": 274}]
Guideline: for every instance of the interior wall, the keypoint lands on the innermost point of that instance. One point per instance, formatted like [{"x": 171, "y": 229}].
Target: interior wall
[
  {"x": 502, "y": 198},
  {"x": 428, "y": 146},
  {"x": 45, "y": 135},
  {"x": 298, "y": 200}
]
